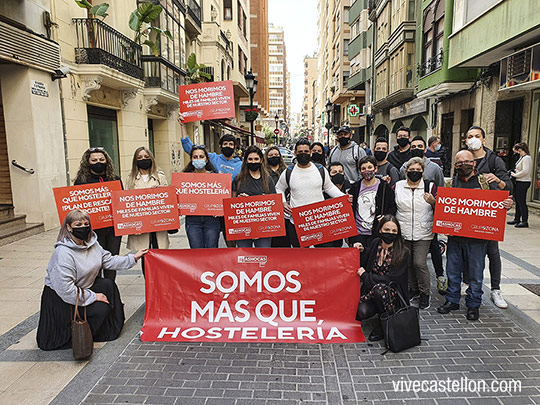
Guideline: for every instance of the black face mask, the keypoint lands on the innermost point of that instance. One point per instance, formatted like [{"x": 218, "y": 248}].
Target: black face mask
[
  {"x": 417, "y": 153},
  {"x": 317, "y": 157},
  {"x": 388, "y": 237},
  {"x": 380, "y": 155},
  {"x": 464, "y": 170},
  {"x": 98, "y": 167},
  {"x": 254, "y": 166},
  {"x": 402, "y": 142},
  {"x": 303, "y": 158},
  {"x": 81, "y": 233},
  {"x": 344, "y": 141},
  {"x": 274, "y": 160},
  {"x": 414, "y": 176},
  {"x": 227, "y": 151},
  {"x": 144, "y": 164},
  {"x": 338, "y": 179}
]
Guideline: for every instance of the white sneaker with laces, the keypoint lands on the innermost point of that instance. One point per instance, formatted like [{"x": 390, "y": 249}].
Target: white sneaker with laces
[
  {"x": 464, "y": 288},
  {"x": 498, "y": 300}
]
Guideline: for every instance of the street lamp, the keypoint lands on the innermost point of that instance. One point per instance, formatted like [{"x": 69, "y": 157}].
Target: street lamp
[
  {"x": 251, "y": 84},
  {"x": 277, "y": 122},
  {"x": 328, "y": 125}
]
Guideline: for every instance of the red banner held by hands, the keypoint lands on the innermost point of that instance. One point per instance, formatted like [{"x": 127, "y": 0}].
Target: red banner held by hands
[
  {"x": 324, "y": 221},
  {"x": 201, "y": 193},
  {"x": 145, "y": 210},
  {"x": 93, "y": 198},
  {"x": 470, "y": 213},
  {"x": 207, "y": 101},
  {"x": 254, "y": 217},
  {"x": 252, "y": 295}
]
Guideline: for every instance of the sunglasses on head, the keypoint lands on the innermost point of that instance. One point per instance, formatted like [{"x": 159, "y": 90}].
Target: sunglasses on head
[{"x": 97, "y": 149}]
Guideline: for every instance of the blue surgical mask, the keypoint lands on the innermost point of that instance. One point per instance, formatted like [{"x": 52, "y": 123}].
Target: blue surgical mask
[
  {"x": 199, "y": 163},
  {"x": 438, "y": 147}
]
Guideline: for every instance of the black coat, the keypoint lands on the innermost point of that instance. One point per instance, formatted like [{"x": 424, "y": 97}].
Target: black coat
[
  {"x": 385, "y": 203},
  {"x": 97, "y": 179},
  {"x": 397, "y": 274}
]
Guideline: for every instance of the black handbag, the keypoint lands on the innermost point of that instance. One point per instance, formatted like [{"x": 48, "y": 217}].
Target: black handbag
[
  {"x": 402, "y": 328},
  {"x": 81, "y": 335}
]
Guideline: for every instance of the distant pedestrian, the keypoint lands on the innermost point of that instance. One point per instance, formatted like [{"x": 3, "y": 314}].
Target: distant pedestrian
[
  {"x": 317, "y": 153},
  {"x": 432, "y": 151},
  {"x": 97, "y": 167},
  {"x": 75, "y": 265},
  {"x": 402, "y": 151},
  {"x": 522, "y": 177},
  {"x": 348, "y": 153}
]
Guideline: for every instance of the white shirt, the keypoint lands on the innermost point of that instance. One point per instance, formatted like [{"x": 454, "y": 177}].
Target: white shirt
[
  {"x": 523, "y": 169},
  {"x": 306, "y": 185}
]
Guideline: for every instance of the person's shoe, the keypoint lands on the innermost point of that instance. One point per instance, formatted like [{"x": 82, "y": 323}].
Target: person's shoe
[
  {"x": 498, "y": 300},
  {"x": 473, "y": 314},
  {"x": 414, "y": 301},
  {"x": 522, "y": 225},
  {"x": 513, "y": 222},
  {"x": 376, "y": 335},
  {"x": 442, "y": 285},
  {"x": 447, "y": 307},
  {"x": 464, "y": 288},
  {"x": 424, "y": 301}
]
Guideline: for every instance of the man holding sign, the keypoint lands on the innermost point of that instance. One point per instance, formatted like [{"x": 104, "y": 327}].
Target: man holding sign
[{"x": 466, "y": 252}]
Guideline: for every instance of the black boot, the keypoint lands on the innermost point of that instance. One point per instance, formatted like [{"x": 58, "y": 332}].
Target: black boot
[{"x": 377, "y": 332}]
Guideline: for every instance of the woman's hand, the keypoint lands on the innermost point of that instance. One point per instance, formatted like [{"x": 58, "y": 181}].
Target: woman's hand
[
  {"x": 140, "y": 254},
  {"x": 243, "y": 195},
  {"x": 350, "y": 198},
  {"x": 102, "y": 297},
  {"x": 358, "y": 246},
  {"x": 361, "y": 271},
  {"x": 508, "y": 203},
  {"x": 387, "y": 178},
  {"x": 287, "y": 208},
  {"x": 428, "y": 197},
  {"x": 180, "y": 118}
]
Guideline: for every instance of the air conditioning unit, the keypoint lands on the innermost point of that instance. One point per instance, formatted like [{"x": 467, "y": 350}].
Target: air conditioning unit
[{"x": 521, "y": 70}]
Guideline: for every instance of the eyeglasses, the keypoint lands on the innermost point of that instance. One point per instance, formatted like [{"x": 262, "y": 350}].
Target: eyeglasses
[
  {"x": 465, "y": 162},
  {"x": 199, "y": 146},
  {"x": 96, "y": 149}
]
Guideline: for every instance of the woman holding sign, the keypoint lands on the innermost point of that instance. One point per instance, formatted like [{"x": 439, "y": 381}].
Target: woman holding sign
[
  {"x": 387, "y": 261},
  {"x": 202, "y": 230},
  {"x": 74, "y": 266},
  {"x": 145, "y": 174},
  {"x": 253, "y": 179},
  {"x": 415, "y": 202},
  {"x": 97, "y": 167}
]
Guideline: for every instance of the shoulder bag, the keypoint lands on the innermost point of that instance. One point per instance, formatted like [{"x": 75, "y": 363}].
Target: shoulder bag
[{"x": 81, "y": 335}]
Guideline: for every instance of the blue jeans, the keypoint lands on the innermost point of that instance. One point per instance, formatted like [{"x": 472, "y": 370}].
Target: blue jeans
[
  {"x": 472, "y": 255},
  {"x": 202, "y": 231},
  {"x": 258, "y": 243}
]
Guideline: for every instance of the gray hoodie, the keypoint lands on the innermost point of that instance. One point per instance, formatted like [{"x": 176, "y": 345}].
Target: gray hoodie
[
  {"x": 72, "y": 265},
  {"x": 349, "y": 158}
]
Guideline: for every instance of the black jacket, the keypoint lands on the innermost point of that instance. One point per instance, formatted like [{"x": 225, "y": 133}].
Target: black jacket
[
  {"x": 398, "y": 274},
  {"x": 385, "y": 203},
  {"x": 397, "y": 158},
  {"x": 491, "y": 163},
  {"x": 96, "y": 179}
]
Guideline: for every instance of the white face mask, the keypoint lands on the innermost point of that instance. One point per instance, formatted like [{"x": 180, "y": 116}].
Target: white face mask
[{"x": 474, "y": 144}]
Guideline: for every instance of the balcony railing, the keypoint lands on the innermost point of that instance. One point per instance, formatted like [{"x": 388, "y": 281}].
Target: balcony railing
[
  {"x": 100, "y": 44},
  {"x": 194, "y": 10},
  {"x": 225, "y": 39},
  {"x": 210, "y": 71},
  {"x": 431, "y": 65},
  {"x": 159, "y": 73}
]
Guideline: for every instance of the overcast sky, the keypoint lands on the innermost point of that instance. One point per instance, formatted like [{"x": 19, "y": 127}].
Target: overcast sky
[{"x": 299, "y": 21}]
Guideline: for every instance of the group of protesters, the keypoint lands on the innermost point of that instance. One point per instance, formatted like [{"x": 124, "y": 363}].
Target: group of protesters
[{"x": 393, "y": 195}]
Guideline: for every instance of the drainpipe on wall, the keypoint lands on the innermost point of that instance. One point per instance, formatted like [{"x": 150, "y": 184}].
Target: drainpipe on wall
[{"x": 64, "y": 132}]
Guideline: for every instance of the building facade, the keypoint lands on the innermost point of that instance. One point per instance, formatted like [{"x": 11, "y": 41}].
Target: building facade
[
  {"x": 310, "y": 87},
  {"x": 277, "y": 75}
]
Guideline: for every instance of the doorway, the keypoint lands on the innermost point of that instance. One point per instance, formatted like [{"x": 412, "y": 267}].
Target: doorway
[
  {"x": 103, "y": 132},
  {"x": 508, "y": 118},
  {"x": 447, "y": 122},
  {"x": 6, "y": 197}
]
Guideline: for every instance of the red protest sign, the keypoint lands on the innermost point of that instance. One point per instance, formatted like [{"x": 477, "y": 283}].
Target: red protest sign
[
  {"x": 252, "y": 295},
  {"x": 93, "y": 198},
  {"x": 207, "y": 101},
  {"x": 471, "y": 213},
  {"x": 254, "y": 217},
  {"x": 201, "y": 193},
  {"x": 324, "y": 221},
  {"x": 145, "y": 210}
]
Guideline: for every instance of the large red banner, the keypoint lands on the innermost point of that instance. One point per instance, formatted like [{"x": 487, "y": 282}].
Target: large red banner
[
  {"x": 201, "y": 193},
  {"x": 254, "y": 217},
  {"x": 324, "y": 221},
  {"x": 252, "y": 295},
  {"x": 145, "y": 210},
  {"x": 207, "y": 101},
  {"x": 471, "y": 213},
  {"x": 93, "y": 198}
]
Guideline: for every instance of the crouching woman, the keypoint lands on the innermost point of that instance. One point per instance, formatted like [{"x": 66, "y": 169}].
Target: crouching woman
[
  {"x": 385, "y": 261},
  {"x": 75, "y": 264}
]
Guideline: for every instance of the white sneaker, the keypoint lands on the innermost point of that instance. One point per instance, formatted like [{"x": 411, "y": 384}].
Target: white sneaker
[
  {"x": 498, "y": 300},
  {"x": 464, "y": 288}
]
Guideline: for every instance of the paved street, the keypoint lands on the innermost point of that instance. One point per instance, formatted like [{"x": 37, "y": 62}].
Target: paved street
[{"x": 502, "y": 345}]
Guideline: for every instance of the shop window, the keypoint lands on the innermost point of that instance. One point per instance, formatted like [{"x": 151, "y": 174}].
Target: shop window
[{"x": 103, "y": 132}]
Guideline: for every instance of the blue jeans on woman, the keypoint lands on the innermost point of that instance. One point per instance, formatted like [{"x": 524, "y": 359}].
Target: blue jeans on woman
[
  {"x": 258, "y": 243},
  {"x": 202, "y": 231}
]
